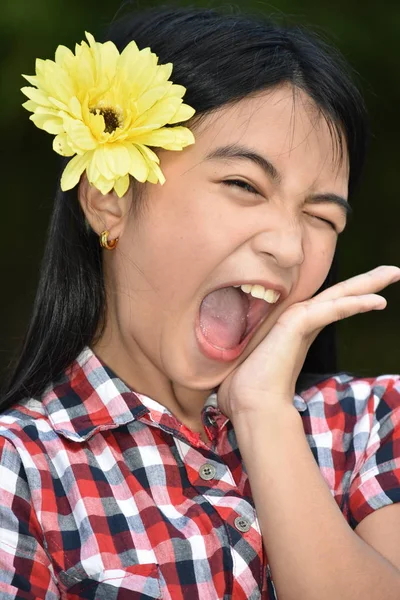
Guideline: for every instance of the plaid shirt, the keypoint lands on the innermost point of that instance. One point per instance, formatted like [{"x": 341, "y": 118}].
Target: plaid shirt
[{"x": 104, "y": 494}]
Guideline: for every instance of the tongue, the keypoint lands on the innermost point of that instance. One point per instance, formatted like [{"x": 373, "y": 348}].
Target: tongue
[{"x": 223, "y": 317}]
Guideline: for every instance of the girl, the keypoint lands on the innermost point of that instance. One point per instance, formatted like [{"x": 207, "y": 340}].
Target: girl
[{"x": 153, "y": 443}]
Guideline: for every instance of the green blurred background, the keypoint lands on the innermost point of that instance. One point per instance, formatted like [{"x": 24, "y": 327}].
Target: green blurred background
[{"x": 367, "y": 33}]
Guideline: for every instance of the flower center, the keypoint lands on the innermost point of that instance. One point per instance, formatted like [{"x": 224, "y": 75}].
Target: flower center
[{"x": 110, "y": 116}]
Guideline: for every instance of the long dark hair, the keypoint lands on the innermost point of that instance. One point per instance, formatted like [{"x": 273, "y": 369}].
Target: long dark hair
[{"x": 220, "y": 58}]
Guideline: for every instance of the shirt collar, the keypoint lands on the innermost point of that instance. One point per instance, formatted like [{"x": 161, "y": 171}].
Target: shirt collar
[{"x": 90, "y": 397}]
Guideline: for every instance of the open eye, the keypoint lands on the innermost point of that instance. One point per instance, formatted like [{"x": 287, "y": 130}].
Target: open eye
[{"x": 240, "y": 184}]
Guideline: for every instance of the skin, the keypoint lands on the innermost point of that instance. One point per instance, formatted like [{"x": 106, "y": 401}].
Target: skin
[
  {"x": 196, "y": 234},
  {"x": 172, "y": 254}
]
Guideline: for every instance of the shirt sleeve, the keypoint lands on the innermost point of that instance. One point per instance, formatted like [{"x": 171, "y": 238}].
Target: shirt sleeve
[
  {"x": 377, "y": 480},
  {"x": 25, "y": 568}
]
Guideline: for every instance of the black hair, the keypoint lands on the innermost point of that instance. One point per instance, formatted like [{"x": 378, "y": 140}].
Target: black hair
[{"x": 220, "y": 57}]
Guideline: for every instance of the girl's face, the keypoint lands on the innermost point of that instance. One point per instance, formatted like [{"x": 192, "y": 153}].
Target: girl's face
[{"x": 255, "y": 200}]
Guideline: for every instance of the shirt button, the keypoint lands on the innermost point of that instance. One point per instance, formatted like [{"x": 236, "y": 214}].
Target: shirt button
[
  {"x": 207, "y": 471},
  {"x": 242, "y": 524}
]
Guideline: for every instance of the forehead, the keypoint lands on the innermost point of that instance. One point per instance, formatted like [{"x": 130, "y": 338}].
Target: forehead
[{"x": 285, "y": 124}]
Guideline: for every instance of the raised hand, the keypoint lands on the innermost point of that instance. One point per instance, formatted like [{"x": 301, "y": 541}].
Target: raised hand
[{"x": 268, "y": 376}]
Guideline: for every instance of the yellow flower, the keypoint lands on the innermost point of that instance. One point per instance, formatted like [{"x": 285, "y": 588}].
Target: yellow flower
[{"x": 107, "y": 108}]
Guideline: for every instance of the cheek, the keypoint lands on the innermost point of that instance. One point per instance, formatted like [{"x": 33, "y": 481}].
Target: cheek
[
  {"x": 312, "y": 273},
  {"x": 315, "y": 268},
  {"x": 173, "y": 255}
]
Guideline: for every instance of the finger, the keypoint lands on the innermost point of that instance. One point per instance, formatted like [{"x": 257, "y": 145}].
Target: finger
[
  {"x": 310, "y": 317},
  {"x": 287, "y": 343},
  {"x": 366, "y": 283}
]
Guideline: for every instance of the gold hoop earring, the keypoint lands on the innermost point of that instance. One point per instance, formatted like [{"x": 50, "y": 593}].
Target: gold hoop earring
[{"x": 105, "y": 242}]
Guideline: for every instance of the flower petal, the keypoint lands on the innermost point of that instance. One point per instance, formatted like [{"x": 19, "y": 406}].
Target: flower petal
[
  {"x": 75, "y": 108},
  {"x": 177, "y": 90},
  {"x": 149, "y": 98},
  {"x": 109, "y": 57},
  {"x": 57, "y": 82},
  {"x": 184, "y": 136},
  {"x": 50, "y": 124},
  {"x": 57, "y": 104},
  {"x": 104, "y": 185},
  {"x": 45, "y": 110},
  {"x": 138, "y": 73},
  {"x": 155, "y": 174},
  {"x": 138, "y": 167},
  {"x": 90, "y": 38},
  {"x": 160, "y": 113},
  {"x": 162, "y": 74},
  {"x": 63, "y": 55},
  {"x": 98, "y": 165},
  {"x": 30, "y": 105},
  {"x": 121, "y": 186},
  {"x": 96, "y": 124},
  {"x": 170, "y": 138},
  {"x": 61, "y": 145},
  {"x": 73, "y": 171},
  {"x": 37, "y": 96},
  {"x": 32, "y": 79},
  {"x": 79, "y": 134},
  {"x": 152, "y": 177},
  {"x": 183, "y": 113},
  {"x": 118, "y": 159},
  {"x": 149, "y": 154}
]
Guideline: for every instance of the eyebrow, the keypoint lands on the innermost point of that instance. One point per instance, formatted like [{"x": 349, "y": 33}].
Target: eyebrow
[
  {"x": 243, "y": 153},
  {"x": 331, "y": 199},
  {"x": 235, "y": 151}
]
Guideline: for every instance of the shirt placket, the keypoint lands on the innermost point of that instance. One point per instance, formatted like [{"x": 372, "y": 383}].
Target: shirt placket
[{"x": 211, "y": 477}]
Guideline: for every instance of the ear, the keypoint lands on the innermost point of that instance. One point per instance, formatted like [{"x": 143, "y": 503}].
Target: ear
[{"x": 104, "y": 211}]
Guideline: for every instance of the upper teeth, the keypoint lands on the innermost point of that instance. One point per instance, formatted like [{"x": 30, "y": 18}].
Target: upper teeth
[{"x": 259, "y": 291}]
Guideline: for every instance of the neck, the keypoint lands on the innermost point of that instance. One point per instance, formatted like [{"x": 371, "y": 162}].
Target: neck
[{"x": 135, "y": 369}]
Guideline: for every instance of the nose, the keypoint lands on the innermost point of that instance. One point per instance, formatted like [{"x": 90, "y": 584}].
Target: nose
[{"x": 284, "y": 244}]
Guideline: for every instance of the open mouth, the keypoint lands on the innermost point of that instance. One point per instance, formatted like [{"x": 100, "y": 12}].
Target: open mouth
[{"x": 228, "y": 318}]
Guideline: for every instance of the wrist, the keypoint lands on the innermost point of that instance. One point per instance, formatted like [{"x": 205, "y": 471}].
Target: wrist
[{"x": 277, "y": 416}]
